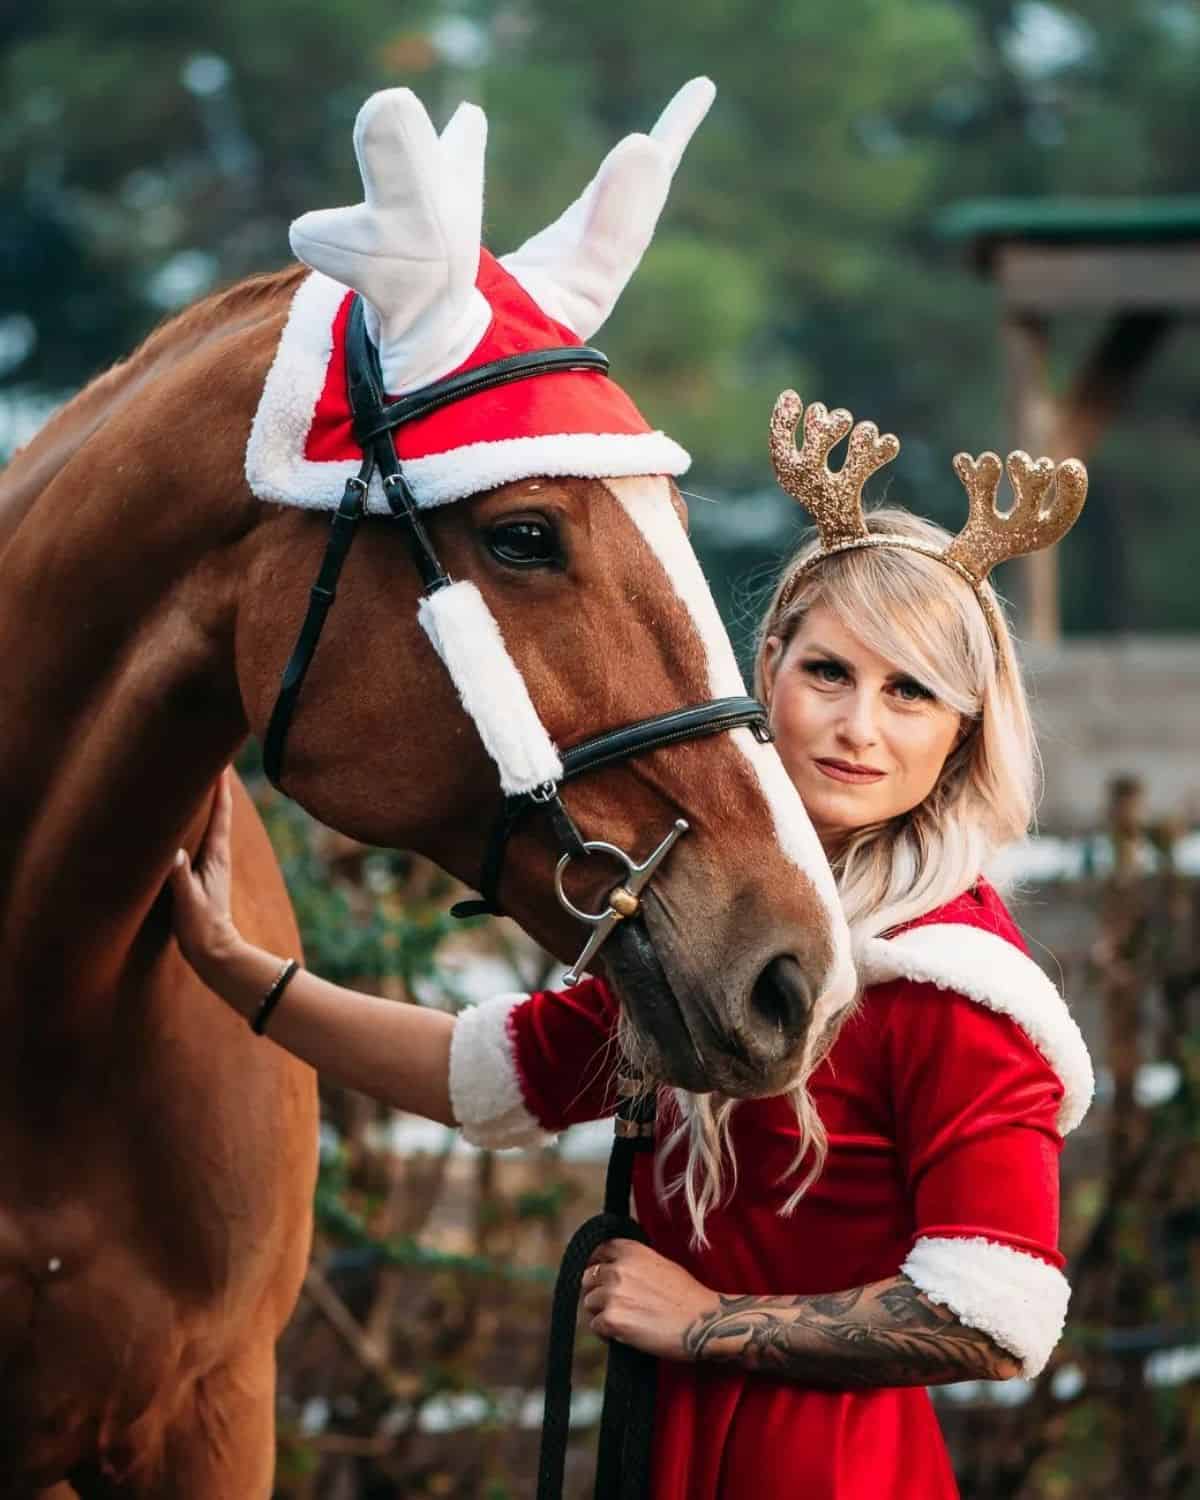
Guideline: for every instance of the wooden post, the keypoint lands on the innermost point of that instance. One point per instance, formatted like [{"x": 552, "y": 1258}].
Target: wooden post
[{"x": 1033, "y": 421}]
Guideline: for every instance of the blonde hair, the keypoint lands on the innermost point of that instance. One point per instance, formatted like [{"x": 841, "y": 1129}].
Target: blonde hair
[{"x": 920, "y": 614}]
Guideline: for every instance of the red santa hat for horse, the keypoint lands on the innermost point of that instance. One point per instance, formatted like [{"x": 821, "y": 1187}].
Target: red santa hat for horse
[{"x": 437, "y": 304}]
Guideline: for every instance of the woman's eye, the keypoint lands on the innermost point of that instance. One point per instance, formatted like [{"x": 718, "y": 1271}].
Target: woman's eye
[
  {"x": 523, "y": 544},
  {"x": 910, "y": 691},
  {"x": 825, "y": 671}
]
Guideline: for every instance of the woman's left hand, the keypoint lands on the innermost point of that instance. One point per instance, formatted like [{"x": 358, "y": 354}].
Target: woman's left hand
[{"x": 632, "y": 1293}]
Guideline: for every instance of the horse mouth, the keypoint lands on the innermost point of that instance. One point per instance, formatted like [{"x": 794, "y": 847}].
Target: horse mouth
[{"x": 675, "y": 1053}]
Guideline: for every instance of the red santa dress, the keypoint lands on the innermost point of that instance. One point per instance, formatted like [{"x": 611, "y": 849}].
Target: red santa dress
[{"x": 945, "y": 1099}]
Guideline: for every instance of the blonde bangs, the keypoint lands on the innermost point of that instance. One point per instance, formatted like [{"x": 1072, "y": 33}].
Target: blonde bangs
[{"x": 916, "y": 612}]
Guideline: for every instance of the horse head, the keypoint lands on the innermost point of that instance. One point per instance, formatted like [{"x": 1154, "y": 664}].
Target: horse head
[{"x": 561, "y": 602}]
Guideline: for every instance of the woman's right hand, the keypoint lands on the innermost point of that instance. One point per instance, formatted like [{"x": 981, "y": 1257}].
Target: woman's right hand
[{"x": 201, "y": 912}]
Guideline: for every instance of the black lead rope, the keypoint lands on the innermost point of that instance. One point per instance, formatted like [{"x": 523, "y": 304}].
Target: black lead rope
[{"x": 627, "y": 1416}]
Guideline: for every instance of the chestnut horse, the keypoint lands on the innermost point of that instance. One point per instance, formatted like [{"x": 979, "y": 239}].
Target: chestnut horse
[{"x": 156, "y": 1159}]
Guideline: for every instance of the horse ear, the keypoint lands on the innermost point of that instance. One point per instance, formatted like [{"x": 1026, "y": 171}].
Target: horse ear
[
  {"x": 577, "y": 267},
  {"x": 411, "y": 248}
]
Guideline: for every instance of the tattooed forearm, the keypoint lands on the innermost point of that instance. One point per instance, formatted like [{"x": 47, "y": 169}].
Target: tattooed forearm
[{"x": 885, "y": 1334}]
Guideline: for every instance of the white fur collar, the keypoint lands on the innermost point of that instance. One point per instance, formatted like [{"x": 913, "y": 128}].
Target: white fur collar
[{"x": 989, "y": 969}]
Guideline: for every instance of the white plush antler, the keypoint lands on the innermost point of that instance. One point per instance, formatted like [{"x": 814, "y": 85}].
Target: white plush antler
[
  {"x": 577, "y": 267},
  {"x": 411, "y": 249}
]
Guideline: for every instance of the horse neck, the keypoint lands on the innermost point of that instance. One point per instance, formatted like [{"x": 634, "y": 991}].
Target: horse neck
[{"x": 121, "y": 699}]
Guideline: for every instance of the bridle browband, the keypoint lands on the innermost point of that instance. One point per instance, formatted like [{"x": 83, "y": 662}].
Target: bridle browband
[{"x": 375, "y": 419}]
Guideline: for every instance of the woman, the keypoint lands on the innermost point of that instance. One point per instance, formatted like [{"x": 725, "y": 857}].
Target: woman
[{"x": 819, "y": 1257}]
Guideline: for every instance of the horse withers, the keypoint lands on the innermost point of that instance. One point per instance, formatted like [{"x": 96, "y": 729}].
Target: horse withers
[{"x": 156, "y": 1159}]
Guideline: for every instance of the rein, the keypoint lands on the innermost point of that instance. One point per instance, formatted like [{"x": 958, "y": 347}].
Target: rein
[{"x": 626, "y": 1424}]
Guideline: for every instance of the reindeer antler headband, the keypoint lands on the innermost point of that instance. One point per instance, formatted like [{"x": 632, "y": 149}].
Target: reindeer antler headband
[{"x": 1048, "y": 497}]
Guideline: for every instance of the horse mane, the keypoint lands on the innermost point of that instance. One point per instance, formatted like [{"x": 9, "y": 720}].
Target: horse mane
[
  {"x": 185, "y": 330},
  {"x": 32, "y": 466}
]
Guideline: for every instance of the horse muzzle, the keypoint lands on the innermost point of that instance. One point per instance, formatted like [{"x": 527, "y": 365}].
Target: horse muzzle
[{"x": 682, "y": 1043}]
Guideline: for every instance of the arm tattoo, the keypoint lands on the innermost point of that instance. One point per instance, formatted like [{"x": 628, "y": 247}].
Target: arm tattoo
[{"x": 885, "y": 1334}]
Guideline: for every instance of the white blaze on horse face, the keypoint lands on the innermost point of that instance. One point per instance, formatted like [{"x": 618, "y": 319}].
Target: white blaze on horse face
[{"x": 647, "y": 501}]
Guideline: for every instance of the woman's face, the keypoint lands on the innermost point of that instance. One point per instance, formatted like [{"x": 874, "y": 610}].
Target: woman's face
[{"x": 862, "y": 740}]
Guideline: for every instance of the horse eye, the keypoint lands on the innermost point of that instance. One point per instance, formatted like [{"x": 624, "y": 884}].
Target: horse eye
[{"x": 523, "y": 544}]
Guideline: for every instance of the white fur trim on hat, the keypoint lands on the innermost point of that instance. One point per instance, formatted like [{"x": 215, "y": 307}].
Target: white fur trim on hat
[
  {"x": 276, "y": 468},
  {"x": 1017, "y": 1299},
  {"x": 987, "y": 968},
  {"x": 466, "y": 636},
  {"x": 443, "y": 477},
  {"x": 484, "y": 1092}
]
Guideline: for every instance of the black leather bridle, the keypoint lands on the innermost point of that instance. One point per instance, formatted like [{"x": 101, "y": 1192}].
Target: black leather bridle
[
  {"x": 627, "y": 1419},
  {"x": 375, "y": 419}
]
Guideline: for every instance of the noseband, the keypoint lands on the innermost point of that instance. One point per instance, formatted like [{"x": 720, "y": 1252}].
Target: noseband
[{"x": 375, "y": 419}]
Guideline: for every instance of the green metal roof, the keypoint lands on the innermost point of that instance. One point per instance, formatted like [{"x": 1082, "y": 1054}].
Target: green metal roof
[{"x": 1071, "y": 221}]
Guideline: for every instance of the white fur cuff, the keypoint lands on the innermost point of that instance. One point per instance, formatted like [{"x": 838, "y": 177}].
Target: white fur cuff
[
  {"x": 466, "y": 636},
  {"x": 484, "y": 1092},
  {"x": 1015, "y": 1298}
]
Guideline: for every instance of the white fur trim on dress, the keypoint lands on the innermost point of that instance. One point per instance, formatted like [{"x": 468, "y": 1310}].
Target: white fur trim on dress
[
  {"x": 990, "y": 970},
  {"x": 466, "y": 636},
  {"x": 484, "y": 1092},
  {"x": 1017, "y": 1299},
  {"x": 276, "y": 468}
]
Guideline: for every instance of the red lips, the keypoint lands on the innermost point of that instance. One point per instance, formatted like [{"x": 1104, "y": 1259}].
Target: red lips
[{"x": 847, "y": 771}]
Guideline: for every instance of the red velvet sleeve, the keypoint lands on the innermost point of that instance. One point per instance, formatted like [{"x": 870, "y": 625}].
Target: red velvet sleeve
[
  {"x": 564, "y": 1046},
  {"x": 975, "y": 1107}
]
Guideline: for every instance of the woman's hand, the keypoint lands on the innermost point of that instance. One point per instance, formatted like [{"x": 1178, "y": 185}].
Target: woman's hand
[
  {"x": 201, "y": 914},
  {"x": 634, "y": 1294}
]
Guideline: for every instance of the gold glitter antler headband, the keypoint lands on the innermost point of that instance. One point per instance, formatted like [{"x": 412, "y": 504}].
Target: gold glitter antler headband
[{"x": 1049, "y": 497}]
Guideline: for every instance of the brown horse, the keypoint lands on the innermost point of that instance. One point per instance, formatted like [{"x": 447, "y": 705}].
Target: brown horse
[{"x": 157, "y": 1159}]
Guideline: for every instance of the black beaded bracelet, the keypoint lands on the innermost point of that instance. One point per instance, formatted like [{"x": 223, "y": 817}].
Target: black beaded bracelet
[{"x": 271, "y": 999}]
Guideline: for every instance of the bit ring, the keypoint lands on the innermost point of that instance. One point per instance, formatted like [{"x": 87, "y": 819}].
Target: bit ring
[{"x": 598, "y": 846}]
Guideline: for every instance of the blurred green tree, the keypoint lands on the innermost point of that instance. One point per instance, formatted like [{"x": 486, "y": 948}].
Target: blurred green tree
[{"x": 147, "y": 154}]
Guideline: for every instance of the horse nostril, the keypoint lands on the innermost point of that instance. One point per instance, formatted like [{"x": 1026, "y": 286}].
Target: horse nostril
[{"x": 782, "y": 995}]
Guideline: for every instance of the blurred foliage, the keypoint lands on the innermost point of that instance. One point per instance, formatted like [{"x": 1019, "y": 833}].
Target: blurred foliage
[{"x": 149, "y": 152}]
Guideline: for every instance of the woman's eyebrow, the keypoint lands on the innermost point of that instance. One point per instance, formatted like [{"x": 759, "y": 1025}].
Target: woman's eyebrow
[{"x": 820, "y": 650}]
